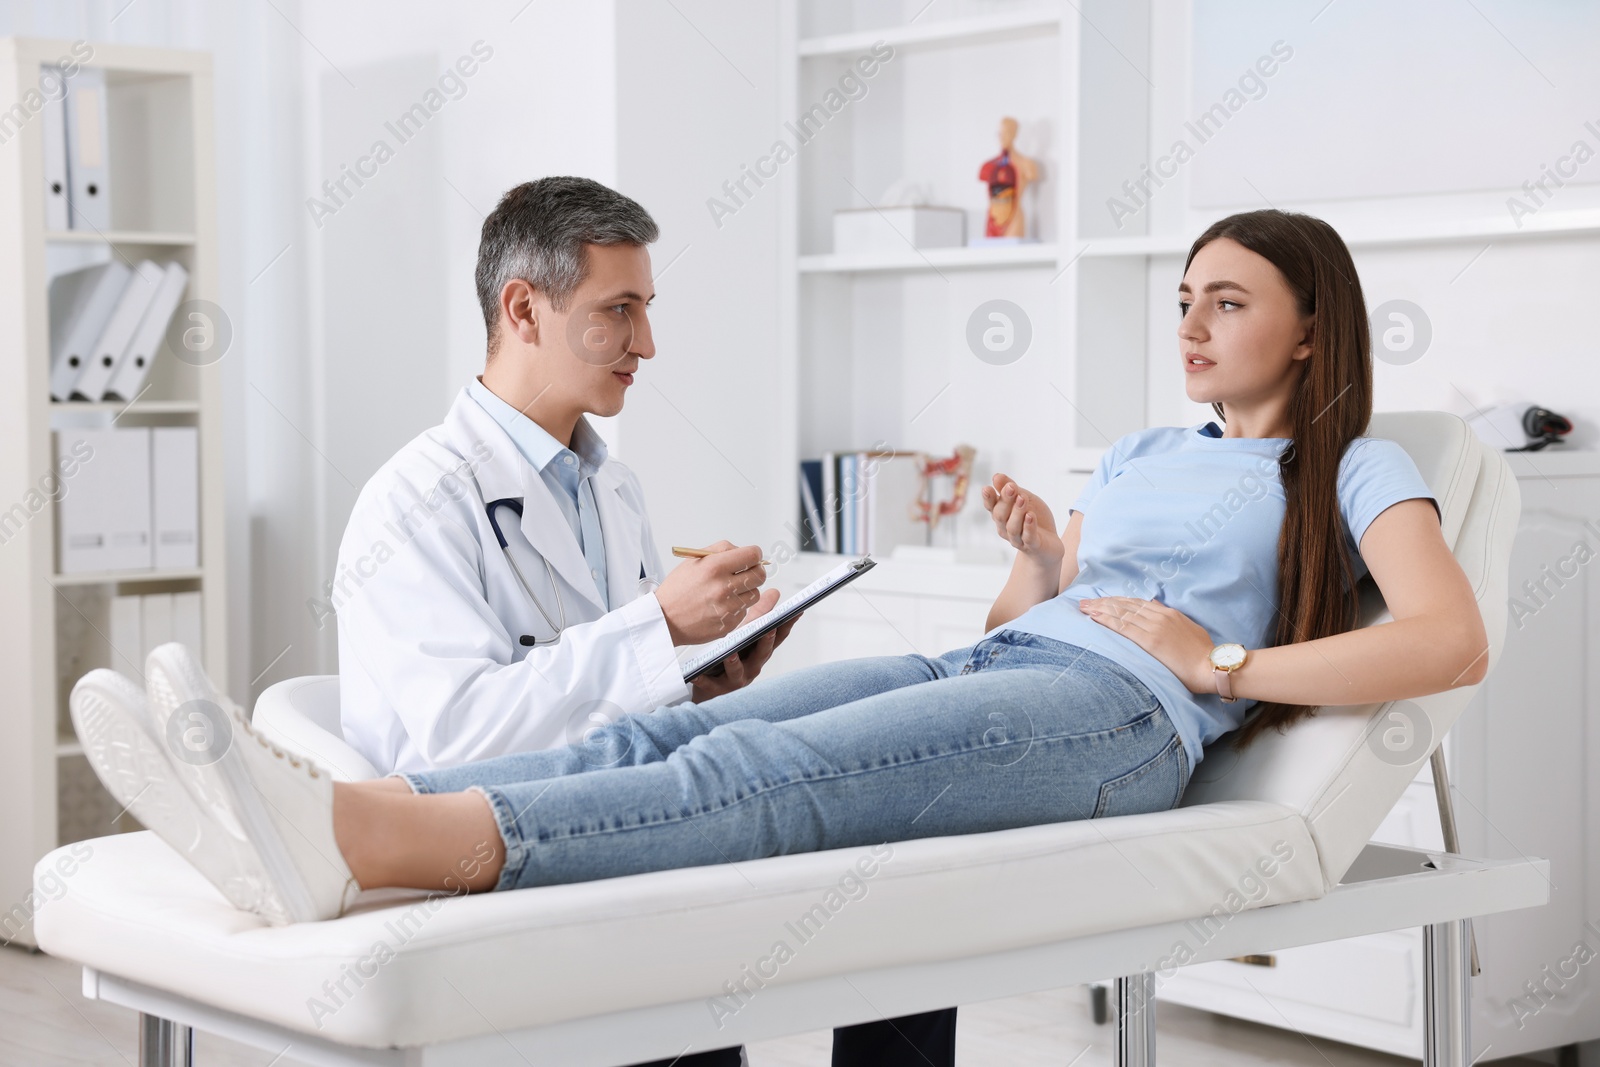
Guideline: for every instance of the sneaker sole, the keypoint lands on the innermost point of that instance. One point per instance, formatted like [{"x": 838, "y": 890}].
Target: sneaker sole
[
  {"x": 175, "y": 680},
  {"x": 109, "y": 718}
]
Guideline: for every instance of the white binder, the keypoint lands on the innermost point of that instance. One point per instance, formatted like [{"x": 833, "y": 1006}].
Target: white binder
[
  {"x": 127, "y": 644},
  {"x": 175, "y": 483},
  {"x": 156, "y": 620},
  {"x": 103, "y": 521},
  {"x": 186, "y": 626},
  {"x": 81, "y": 302},
  {"x": 88, "y": 169},
  {"x": 118, "y": 333},
  {"x": 57, "y": 216},
  {"x": 134, "y": 366}
]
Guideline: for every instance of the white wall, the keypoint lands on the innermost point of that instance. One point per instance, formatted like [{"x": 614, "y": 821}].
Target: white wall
[
  {"x": 697, "y": 98},
  {"x": 1386, "y": 118},
  {"x": 351, "y": 337},
  {"x": 396, "y": 325}
]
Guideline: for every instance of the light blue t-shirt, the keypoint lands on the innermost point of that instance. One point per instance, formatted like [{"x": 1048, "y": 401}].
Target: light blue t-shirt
[{"x": 1190, "y": 518}]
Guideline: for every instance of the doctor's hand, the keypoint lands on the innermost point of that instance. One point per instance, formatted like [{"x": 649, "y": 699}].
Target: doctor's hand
[
  {"x": 739, "y": 669},
  {"x": 708, "y": 597},
  {"x": 1025, "y": 522}
]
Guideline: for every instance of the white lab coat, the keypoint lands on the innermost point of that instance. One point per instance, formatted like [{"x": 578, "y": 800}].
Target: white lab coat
[{"x": 431, "y": 670}]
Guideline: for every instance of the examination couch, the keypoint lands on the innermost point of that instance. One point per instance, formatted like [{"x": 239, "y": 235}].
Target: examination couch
[{"x": 1269, "y": 849}]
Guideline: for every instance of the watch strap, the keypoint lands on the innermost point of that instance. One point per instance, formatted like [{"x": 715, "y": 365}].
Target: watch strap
[{"x": 1224, "y": 681}]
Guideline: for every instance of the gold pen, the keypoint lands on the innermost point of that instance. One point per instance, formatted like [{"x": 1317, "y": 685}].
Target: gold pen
[{"x": 701, "y": 553}]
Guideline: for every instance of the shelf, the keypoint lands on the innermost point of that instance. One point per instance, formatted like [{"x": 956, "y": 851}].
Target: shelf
[
  {"x": 110, "y": 577},
  {"x": 1084, "y": 460},
  {"x": 1554, "y": 461},
  {"x": 118, "y": 237},
  {"x": 930, "y": 259},
  {"x": 1551, "y": 224},
  {"x": 1107, "y": 247},
  {"x": 140, "y": 407},
  {"x": 979, "y": 29},
  {"x": 67, "y": 747}
]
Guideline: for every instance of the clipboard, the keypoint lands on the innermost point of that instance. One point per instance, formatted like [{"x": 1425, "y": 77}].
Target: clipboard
[{"x": 745, "y": 636}]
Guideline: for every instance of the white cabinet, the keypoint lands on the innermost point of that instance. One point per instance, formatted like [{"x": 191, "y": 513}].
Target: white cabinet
[{"x": 1521, "y": 761}]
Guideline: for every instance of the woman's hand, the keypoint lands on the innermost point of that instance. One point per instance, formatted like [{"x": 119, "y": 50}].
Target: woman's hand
[
  {"x": 1024, "y": 521},
  {"x": 1182, "y": 645}
]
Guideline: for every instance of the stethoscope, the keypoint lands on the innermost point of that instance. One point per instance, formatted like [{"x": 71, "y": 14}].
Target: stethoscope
[{"x": 527, "y": 640}]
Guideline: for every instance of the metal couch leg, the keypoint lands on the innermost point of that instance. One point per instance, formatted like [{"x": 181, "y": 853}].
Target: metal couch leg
[
  {"x": 1447, "y": 996},
  {"x": 1447, "y": 825},
  {"x": 163, "y": 1043},
  {"x": 1135, "y": 995}
]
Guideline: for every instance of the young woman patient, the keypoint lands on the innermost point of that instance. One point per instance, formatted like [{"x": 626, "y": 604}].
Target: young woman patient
[{"x": 1093, "y": 693}]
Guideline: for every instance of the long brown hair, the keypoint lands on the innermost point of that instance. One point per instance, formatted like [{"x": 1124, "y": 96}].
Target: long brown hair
[{"x": 1330, "y": 406}]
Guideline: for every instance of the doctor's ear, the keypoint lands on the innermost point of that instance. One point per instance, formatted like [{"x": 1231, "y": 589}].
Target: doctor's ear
[{"x": 521, "y": 311}]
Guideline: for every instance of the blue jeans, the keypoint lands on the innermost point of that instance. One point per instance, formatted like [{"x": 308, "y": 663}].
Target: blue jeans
[{"x": 1014, "y": 731}]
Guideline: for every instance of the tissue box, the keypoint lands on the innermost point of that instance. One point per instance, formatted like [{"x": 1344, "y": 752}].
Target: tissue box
[{"x": 889, "y": 229}]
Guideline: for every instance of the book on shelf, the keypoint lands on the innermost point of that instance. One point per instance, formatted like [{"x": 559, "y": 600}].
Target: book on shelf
[
  {"x": 811, "y": 526},
  {"x": 860, "y": 503},
  {"x": 830, "y": 502}
]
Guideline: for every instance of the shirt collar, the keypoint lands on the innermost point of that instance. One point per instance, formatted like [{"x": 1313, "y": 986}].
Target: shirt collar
[{"x": 535, "y": 443}]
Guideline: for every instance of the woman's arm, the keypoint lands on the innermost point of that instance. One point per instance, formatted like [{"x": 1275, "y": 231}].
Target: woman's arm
[
  {"x": 1037, "y": 573},
  {"x": 1436, "y": 641}
]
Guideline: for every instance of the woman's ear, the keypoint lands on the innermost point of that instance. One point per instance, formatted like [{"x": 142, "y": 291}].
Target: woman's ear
[
  {"x": 520, "y": 311},
  {"x": 1303, "y": 349}
]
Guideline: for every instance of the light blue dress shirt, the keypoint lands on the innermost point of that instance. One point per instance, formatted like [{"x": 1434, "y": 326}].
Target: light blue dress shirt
[
  {"x": 568, "y": 473},
  {"x": 1190, "y": 518}
]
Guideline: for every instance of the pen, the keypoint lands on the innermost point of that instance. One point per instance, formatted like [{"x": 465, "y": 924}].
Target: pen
[{"x": 700, "y": 553}]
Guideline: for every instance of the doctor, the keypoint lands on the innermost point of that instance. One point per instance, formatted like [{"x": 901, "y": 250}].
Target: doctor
[{"x": 498, "y": 586}]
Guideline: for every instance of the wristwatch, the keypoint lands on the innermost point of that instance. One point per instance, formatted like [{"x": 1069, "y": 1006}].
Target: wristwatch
[{"x": 1225, "y": 659}]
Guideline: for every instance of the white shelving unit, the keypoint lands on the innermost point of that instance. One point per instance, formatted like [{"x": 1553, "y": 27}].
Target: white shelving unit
[
  {"x": 876, "y": 347},
  {"x": 876, "y": 350},
  {"x": 163, "y": 207}
]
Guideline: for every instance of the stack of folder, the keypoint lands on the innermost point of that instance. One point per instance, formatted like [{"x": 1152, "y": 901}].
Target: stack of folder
[
  {"x": 106, "y": 321},
  {"x": 77, "y": 163},
  {"x": 139, "y": 624},
  {"x": 106, "y": 325},
  {"x": 134, "y": 502}
]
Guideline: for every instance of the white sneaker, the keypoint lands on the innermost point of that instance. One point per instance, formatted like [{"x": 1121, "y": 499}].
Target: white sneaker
[
  {"x": 282, "y": 802},
  {"x": 111, "y": 719}
]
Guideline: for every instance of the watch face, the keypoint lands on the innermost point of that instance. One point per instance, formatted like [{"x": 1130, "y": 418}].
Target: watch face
[{"x": 1227, "y": 656}]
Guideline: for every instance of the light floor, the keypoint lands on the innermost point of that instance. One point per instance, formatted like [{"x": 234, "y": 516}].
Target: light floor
[{"x": 45, "y": 1020}]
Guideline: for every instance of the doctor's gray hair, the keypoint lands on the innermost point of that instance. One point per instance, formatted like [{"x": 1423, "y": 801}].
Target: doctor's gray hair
[{"x": 537, "y": 233}]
